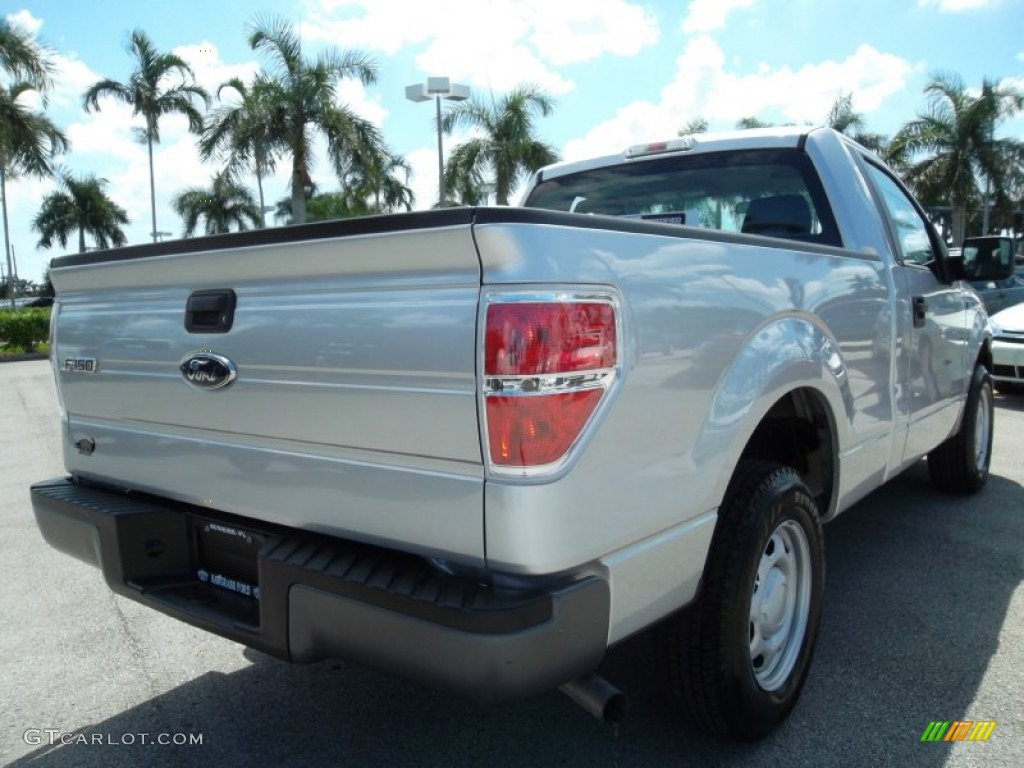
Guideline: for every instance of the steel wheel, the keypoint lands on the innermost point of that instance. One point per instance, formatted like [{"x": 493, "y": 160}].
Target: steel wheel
[
  {"x": 780, "y": 603},
  {"x": 982, "y": 430},
  {"x": 961, "y": 463}
]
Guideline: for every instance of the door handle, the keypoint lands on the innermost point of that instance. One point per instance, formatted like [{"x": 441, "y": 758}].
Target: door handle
[
  {"x": 920, "y": 311},
  {"x": 210, "y": 311}
]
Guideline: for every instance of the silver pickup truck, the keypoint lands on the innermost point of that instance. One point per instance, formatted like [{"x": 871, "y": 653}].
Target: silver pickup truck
[{"x": 479, "y": 446}]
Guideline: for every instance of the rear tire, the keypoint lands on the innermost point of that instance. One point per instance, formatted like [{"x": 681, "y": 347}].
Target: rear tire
[
  {"x": 737, "y": 659},
  {"x": 961, "y": 463}
]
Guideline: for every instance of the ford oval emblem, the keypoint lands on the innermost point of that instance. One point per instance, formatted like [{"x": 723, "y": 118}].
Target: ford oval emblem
[{"x": 205, "y": 370}]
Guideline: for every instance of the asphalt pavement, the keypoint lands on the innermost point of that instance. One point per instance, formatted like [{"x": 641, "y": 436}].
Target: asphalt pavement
[{"x": 924, "y": 620}]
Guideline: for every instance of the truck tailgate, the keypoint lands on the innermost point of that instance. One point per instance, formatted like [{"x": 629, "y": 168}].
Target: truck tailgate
[{"x": 354, "y": 348}]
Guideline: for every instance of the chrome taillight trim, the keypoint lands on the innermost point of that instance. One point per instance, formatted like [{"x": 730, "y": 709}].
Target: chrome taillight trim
[{"x": 515, "y": 386}]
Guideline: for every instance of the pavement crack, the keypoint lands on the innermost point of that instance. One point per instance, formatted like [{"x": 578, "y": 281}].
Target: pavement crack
[{"x": 136, "y": 652}]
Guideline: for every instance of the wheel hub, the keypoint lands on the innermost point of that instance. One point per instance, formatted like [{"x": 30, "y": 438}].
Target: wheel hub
[
  {"x": 773, "y": 601},
  {"x": 780, "y": 605}
]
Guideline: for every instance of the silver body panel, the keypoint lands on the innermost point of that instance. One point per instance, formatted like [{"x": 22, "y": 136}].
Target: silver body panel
[
  {"x": 355, "y": 410},
  {"x": 353, "y": 413}
]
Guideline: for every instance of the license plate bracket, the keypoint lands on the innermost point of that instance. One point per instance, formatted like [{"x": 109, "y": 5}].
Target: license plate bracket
[{"x": 226, "y": 556}]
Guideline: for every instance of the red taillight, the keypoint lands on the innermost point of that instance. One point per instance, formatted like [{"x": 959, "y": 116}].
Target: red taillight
[
  {"x": 534, "y": 430},
  {"x": 531, "y": 338},
  {"x": 547, "y": 366}
]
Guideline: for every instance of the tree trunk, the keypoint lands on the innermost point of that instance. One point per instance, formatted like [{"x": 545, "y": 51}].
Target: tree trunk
[
  {"x": 502, "y": 182},
  {"x": 299, "y": 186},
  {"x": 7, "y": 240},
  {"x": 152, "y": 183},
  {"x": 298, "y": 199},
  {"x": 259, "y": 186},
  {"x": 81, "y": 239},
  {"x": 959, "y": 224}
]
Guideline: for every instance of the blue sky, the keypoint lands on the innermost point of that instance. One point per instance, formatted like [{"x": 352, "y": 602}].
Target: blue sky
[{"x": 621, "y": 72}]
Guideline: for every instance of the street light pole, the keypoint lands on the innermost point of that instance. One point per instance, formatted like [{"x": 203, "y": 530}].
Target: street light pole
[
  {"x": 438, "y": 88},
  {"x": 440, "y": 157}
]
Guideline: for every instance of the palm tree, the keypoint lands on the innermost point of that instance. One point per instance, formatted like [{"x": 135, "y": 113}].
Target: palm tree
[
  {"x": 29, "y": 141},
  {"x": 958, "y": 133},
  {"x": 696, "y": 125},
  {"x": 223, "y": 203},
  {"x": 81, "y": 205},
  {"x": 323, "y": 206},
  {"x": 508, "y": 148},
  {"x": 747, "y": 123},
  {"x": 302, "y": 99},
  {"x": 240, "y": 134},
  {"x": 375, "y": 187},
  {"x": 843, "y": 118},
  {"x": 149, "y": 94}
]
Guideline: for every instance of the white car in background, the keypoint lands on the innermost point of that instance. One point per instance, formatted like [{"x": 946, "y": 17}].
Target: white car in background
[{"x": 1008, "y": 348}]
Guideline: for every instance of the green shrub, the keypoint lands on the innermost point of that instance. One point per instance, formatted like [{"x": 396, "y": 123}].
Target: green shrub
[{"x": 25, "y": 327}]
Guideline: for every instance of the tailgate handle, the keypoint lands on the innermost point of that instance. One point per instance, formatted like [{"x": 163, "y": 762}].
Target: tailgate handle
[{"x": 210, "y": 311}]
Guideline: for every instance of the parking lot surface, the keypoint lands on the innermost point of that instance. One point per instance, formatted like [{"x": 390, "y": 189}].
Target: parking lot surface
[{"x": 924, "y": 621}]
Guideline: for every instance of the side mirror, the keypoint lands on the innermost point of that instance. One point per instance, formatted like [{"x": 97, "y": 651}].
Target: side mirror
[{"x": 987, "y": 258}]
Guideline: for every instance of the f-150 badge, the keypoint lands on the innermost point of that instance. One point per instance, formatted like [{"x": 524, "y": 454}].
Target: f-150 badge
[{"x": 206, "y": 370}]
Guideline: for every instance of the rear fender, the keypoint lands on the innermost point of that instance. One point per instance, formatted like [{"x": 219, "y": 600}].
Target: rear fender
[{"x": 783, "y": 355}]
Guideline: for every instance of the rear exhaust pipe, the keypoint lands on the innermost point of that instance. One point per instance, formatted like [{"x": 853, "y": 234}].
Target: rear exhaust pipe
[{"x": 599, "y": 697}]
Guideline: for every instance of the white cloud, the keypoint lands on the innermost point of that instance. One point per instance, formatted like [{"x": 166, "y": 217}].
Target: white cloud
[
  {"x": 709, "y": 15},
  {"x": 25, "y": 20},
  {"x": 384, "y": 25},
  {"x": 474, "y": 63},
  {"x": 636, "y": 122},
  {"x": 70, "y": 81},
  {"x": 210, "y": 70},
  {"x": 497, "y": 45},
  {"x": 423, "y": 180},
  {"x": 571, "y": 32},
  {"x": 805, "y": 95},
  {"x": 705, "y": 86},
  {"x": 954, "y": 6},
  {"x": 354, "y": 95},
  {"x": 108, "y": 133}
]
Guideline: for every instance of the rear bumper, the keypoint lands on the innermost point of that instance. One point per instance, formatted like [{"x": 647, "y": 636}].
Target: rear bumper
[{"x": 319, "y": 598}]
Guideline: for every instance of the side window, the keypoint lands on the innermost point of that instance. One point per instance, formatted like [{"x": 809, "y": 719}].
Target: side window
[{"x": 911, "y": 230}]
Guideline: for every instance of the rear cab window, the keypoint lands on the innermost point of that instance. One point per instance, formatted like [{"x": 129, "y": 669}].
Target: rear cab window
[{"x": 773, "y": 192}]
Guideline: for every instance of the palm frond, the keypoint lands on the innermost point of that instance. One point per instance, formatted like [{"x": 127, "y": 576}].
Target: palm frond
[{"x": 23, "y": 58}]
